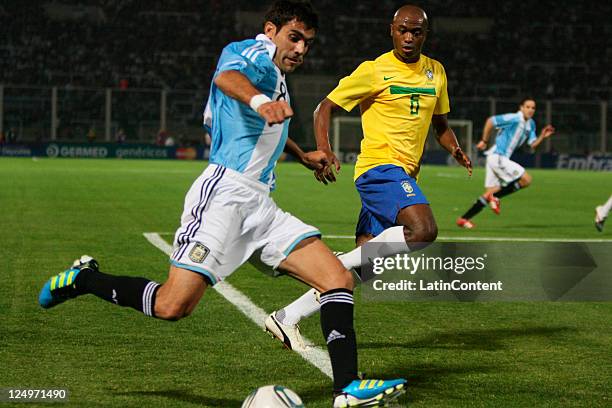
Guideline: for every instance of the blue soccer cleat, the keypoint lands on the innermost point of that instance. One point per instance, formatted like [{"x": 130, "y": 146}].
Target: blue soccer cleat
[
  {"x": 61, "y": 287},
  {"x": 370, "y": 393}
]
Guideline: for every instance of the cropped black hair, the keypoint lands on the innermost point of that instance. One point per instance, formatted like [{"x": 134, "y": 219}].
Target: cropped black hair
[
  {"x": 525, "y": 99},
  {"x": 283, "y": 11}
]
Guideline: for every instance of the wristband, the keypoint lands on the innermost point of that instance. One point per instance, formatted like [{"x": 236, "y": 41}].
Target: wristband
[{"x": 258, "y": 100}]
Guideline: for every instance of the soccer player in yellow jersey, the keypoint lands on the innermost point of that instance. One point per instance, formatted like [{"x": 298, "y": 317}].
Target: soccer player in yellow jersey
[{"x": 400, "y": 94}]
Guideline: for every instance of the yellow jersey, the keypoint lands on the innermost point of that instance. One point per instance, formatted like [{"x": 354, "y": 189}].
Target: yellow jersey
[{"x": 397, "y": 101}]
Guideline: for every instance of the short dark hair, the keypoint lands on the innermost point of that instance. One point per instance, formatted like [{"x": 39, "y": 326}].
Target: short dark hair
[
  {"x": 525, "y": 99},
  {"x": 283, "y": 11}
]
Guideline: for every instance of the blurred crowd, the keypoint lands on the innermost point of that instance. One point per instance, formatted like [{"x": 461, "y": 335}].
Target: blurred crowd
[{"x": 546, "y": 48}]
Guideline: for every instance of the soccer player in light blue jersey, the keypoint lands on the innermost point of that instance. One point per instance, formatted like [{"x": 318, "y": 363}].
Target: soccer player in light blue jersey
[
  {"x": 504, "y": 176},
  {"x": 229, "y": 215}
]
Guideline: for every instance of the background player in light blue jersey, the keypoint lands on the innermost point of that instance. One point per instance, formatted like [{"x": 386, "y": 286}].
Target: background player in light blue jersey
[
  {"x": 229, "y": 215},
  {"x": 504, "y": 176}
]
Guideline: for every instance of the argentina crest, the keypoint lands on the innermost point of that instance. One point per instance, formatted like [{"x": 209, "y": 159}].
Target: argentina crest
[{"x": 199, "y": 252}]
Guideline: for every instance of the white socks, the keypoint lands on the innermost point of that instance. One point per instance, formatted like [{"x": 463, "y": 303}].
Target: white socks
[
  {"x": 395, "y": 244},
  {"x": 308, "y": 303}
]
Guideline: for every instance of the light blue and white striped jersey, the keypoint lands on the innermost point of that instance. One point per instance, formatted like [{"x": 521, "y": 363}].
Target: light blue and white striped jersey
[
  {"x": 241, "y": 139},
  {"x": 513, "y": 130}
]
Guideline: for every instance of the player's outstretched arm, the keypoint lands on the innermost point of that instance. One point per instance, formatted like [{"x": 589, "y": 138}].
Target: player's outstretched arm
[
  {"x": 322, "y": 119},
  {"x": 316, "y": 160},
  {"x": 448, "y": 140},
  {"x": 546, "y": 132},
  {"x": 236, "y": 85}
]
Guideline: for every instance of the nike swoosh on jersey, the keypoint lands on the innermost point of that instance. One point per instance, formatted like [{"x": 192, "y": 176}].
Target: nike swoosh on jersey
[{"x": 388, "y": 78}]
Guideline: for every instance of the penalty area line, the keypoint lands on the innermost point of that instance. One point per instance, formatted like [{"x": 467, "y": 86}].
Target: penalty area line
[{"x": 313, "y": 354}]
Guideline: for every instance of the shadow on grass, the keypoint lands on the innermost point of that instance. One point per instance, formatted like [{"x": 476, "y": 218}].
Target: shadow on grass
[
  {"x": 488, "y": 340},
  {"x": 426, "y": 379},
  {"x": 421, "y": 377},
  {"x": 187, "y": 396}
]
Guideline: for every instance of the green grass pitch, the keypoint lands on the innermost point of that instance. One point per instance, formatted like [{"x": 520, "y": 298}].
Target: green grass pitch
[{"x": 523, "y": 354}]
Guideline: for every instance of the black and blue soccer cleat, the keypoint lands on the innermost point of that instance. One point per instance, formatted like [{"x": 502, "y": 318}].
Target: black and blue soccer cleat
[
  {"x": 61, "y": 287},
  {"x": 370, "y": 393}
]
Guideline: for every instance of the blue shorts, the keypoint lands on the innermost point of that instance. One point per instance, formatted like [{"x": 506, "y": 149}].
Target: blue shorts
[{"x": 384, "y": 191}]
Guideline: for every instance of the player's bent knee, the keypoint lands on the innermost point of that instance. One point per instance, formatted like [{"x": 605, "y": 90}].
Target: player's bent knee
[
  {"x": 341, "y": 280},
  {"x": 424, "y": 233},
  {"x": 347, "y": 280}
]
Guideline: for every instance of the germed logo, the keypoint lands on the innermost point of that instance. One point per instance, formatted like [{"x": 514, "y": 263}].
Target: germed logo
[{"x": 53, "y": 150}]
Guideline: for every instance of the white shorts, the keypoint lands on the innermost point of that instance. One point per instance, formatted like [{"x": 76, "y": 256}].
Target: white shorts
[
  {"x": 227, "y": 217},
  {"x": 501, "y": 171}
]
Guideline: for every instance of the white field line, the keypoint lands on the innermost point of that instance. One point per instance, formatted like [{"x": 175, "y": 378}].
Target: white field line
[
  {"x": 499, "y": 239},
  {"x": 474, "y": 239},
  {"x": 314, "y": 355}
]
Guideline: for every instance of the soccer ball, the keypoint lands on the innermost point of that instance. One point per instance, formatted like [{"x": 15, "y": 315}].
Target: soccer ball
[{"x": 273, "y": 396}]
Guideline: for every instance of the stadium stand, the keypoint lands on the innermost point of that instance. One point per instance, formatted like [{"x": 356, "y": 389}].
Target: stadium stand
[
  {"x": 548, "y": 49},
  {"x": 174, "y": 44}
]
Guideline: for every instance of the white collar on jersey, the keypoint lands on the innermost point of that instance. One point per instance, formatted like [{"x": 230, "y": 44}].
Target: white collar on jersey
[{"x": 268, "y": 43}]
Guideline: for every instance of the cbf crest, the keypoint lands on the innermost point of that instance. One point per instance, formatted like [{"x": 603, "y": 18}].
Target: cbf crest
[
  {"x": 407, "y": 187},
  {"x": 429, "y": 74}
]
